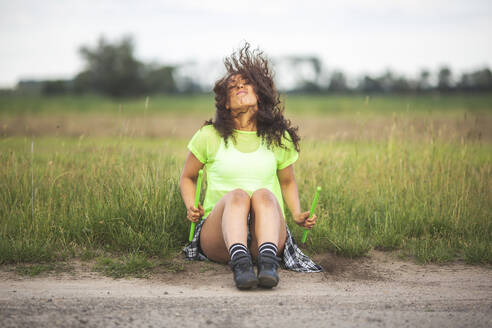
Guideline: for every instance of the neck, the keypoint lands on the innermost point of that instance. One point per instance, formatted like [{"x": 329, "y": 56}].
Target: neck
[{"x": 244, "y": 119}]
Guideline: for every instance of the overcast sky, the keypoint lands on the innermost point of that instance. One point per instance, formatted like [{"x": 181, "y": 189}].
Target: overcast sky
[{"x": 40, "y": 39}]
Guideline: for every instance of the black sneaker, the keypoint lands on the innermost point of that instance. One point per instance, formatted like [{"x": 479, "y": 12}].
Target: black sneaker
[
  {"x": 244, "y": 274},
  {"x": 267, "y": 270}
]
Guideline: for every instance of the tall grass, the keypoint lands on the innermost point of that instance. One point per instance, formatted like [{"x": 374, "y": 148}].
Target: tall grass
[
  {"x": 430, "y": 199},
  {"x": 116, "y": 195}
]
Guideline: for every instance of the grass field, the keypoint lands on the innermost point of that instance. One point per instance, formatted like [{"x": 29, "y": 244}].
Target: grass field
[
  {"x": 429, "y": 197},
  {"x": 338, "y": 105}
]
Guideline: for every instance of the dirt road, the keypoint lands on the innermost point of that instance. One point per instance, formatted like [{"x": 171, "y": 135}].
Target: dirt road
[{"x": 379, "y": 291}]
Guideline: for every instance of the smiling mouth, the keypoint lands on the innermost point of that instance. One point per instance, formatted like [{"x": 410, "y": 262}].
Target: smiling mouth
[{"x": 240, "y": 92}]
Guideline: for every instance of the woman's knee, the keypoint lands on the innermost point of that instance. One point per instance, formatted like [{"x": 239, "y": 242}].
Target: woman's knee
[
  {"x": 264, "y": 196},
  {"x": 238, "y": 197}
]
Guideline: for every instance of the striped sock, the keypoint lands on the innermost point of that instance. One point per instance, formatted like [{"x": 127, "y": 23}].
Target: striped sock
[
  {"x": 237, "y": 249},
  {"x": 268, "y": 247}
]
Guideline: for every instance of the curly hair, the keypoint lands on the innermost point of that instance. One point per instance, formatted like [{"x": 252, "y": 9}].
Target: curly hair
[{"x": 271, "y": 124}]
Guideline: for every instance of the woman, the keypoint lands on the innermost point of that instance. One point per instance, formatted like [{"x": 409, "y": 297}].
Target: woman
[{"x": 248, "y": 152}]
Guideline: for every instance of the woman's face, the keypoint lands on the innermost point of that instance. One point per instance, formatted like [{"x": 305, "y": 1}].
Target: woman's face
[{"x": 240, "y": 94}]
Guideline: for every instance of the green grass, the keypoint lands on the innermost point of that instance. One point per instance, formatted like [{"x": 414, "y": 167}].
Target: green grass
[
  {"x": 33, "y": 270},
  {"x": 92, "y": 104},
  {"x": 426, "y": 105},
  {"x": 429, "y": 199},
  {"x": 133, "y": 264},
  {"x": 119, "y": 196},
  {"x": 203, "y": 104}
]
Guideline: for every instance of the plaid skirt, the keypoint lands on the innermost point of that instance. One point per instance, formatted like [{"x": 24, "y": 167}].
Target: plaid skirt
[{"x": 292, "y": 259}]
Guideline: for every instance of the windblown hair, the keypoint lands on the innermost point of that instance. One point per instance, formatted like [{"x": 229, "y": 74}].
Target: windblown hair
[{"x": 255, "y": 68}]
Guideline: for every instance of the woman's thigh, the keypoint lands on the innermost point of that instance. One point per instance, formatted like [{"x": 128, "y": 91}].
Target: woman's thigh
[
  {"x": 281, "y": 221},
  {"x": 212, "y": 240}
]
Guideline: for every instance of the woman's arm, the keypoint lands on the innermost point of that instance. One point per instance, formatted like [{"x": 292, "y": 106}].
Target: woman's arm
[
  {"x": 187, "y": 184},
  {"x": 290, "y": 192}
]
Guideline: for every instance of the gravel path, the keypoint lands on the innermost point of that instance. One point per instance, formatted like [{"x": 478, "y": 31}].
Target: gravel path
[{"x": 376, "y": 292}]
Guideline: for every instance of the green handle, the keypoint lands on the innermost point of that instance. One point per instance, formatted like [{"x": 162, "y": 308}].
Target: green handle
[
  {"x": 313, "y": 206},
  {"x": 197, "y": 200}
]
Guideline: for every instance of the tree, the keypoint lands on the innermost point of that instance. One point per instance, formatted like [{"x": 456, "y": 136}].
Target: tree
[
  {"x": 370, "y": 85},
  {"x": 159, "y": 79},
  {"x": 424, "y": 83},
  {"x": 82, "y": 82},
  {"x": 444, "y": 79},
  {"x": 112, "y": 69},
  {"x": 480, "y": 80},
  {"x": 307, "y": 71},
  {"x": 386, "y": 81},
  {"x": 56, "y": 87},
  {"x": 401, "y": 85},
  {"x": 338, "y": 82}
]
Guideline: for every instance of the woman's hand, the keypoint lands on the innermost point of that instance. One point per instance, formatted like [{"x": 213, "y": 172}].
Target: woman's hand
[
  {"x": 304, "y": 221},
  {"x": 195, "y": 214}
]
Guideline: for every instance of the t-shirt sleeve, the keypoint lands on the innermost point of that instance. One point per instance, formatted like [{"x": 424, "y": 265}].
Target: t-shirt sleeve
[
  {"x": 204, "y": 144},
  {"x": 286, "y": 157},
  {"x": 198, "y": 145}
]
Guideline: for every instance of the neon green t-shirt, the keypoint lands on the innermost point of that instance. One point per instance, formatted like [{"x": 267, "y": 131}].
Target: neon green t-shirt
[{"x": 246, "y": 164}]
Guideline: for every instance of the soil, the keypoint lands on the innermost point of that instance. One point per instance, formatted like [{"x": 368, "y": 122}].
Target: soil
[{"x": 377, "y": 291}]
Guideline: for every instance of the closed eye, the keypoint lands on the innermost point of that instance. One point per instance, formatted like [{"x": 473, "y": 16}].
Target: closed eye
[{"x": 235, "y": 84}]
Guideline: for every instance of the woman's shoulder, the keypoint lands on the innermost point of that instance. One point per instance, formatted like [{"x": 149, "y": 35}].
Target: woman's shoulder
[
  {"x": 287, "y": 153},
  {"x": 207, "y": 135},
  {"x": 209, "y": 131},
  {"x": 205, "y": 143},
  {"x": 286, "y": 142}
]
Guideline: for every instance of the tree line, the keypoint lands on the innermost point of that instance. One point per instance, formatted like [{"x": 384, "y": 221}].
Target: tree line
[
  {"x": 112, "y": 69},
  {"x": 389, "y": 82}
]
